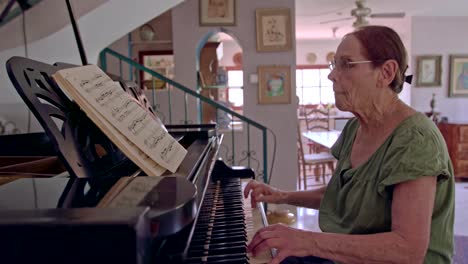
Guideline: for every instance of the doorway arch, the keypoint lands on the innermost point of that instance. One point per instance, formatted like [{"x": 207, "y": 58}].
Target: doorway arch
[{"x": 214, "y": 58}]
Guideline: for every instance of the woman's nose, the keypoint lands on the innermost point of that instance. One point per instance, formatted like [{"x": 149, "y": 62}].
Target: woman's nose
[{"x": 331, "y": 75}]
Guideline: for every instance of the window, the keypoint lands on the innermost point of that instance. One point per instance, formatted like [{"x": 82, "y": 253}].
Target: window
[
  {"x": 313, "y": 86},
  {"x": 235, "y": 94}
]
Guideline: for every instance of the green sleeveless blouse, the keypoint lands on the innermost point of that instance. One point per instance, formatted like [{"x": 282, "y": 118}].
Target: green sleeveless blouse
[{"x": 359, "y": 200}]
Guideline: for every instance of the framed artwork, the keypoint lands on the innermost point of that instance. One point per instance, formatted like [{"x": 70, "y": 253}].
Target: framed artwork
[
  {"x": 458, "y": 75},
  {"x": 217, "y": 12},
  {"x": 273, "y": 29},
  {"x": 160, "y": 61},
  {"x": 428, "y": 70},
  {"x": 274, "y": 84}
]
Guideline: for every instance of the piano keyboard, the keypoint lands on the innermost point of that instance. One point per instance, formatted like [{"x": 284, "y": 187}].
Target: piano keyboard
[{"x": 226, "y": 224}]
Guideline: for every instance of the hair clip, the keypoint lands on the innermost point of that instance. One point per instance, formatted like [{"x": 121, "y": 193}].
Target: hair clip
[{"x": 408, "y": 78}]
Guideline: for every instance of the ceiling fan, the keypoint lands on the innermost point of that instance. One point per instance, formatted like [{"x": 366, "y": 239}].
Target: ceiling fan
[{"x": 361, "y": 13}]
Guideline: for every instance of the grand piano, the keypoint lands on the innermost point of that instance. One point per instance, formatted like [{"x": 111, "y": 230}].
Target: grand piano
[{"x": 104, "y": 209}]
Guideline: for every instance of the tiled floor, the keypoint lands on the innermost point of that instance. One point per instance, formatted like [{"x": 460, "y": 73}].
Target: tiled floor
[{"x": 308, "y": 218}]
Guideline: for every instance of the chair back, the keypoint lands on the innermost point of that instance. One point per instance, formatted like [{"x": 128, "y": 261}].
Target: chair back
[
  {"x": 317, "y": 120},
  {"x": 300, "y": 151}
]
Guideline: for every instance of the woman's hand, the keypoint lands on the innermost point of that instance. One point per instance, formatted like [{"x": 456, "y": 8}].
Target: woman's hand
[
  {"x": 260, "y": 192},
  {"x": 288, "y": 241}
]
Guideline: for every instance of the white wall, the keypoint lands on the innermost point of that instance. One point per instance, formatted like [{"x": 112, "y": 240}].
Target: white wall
[
  {"x": 320, "y": 47},
  {"x": 440, "y": 36},
  {"x": 229, "y": 49},
  {"x": 103, "y": 25}
]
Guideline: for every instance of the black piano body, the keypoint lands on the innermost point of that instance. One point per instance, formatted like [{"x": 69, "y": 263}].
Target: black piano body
[{"x": 58, "y": 219}]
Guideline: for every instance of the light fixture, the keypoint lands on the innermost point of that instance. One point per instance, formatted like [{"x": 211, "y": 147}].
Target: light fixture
[{"x": 147, "y": 32}]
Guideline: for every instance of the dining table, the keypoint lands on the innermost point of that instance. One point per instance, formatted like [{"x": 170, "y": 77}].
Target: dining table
[{"x": 323, "y": 138}]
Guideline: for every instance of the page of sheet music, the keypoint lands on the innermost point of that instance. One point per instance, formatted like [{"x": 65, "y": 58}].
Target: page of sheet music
[
  {"x": 148, "y": 165},
  {"x": 123, "y": 112}
]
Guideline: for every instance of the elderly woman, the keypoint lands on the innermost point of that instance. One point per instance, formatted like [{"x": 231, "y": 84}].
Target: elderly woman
[{"x": 391, "y": 198}]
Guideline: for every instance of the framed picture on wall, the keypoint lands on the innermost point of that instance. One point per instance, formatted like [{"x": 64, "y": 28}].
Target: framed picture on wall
[
  {"x": 274, "y": 84},
  {"x": 428, "y": 70},
  {"x": 273, "y": 29},
  {"x": 160, "y": 61},
  {"x": 217, "y": 12},
  {"x": 458, "y": 75}
]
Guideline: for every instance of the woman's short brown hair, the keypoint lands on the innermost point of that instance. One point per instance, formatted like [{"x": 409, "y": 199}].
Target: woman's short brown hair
[{"x": 383, "y": 43}]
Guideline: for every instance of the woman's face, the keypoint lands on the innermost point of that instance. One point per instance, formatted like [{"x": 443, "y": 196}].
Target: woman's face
[{"x": 353, "y": 84}]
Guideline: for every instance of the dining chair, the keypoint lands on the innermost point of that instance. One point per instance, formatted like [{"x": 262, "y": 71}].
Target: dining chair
[
  {"x": 317, "y": 120},
  {"x": 317, "y": 161}
]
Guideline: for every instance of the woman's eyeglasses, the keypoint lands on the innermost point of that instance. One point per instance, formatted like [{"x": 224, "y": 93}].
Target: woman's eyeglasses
[{"x": 343, "y": 65}]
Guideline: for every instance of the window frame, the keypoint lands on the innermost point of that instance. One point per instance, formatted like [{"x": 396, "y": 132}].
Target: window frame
[
  {"x": 235, "y": 68},
  {"x": 310, "y": 67}
]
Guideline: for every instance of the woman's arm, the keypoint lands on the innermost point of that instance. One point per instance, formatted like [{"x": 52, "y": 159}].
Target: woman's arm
[
  {"x": 412, "y": 206},
  {"x": 260, "y": 192},
  {"x": 309, "y": 199}
]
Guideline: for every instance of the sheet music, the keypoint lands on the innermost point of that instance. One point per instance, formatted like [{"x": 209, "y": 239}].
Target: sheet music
[
  {"x": 149, "y": 166},
  {"x": 109, "y": 101}
]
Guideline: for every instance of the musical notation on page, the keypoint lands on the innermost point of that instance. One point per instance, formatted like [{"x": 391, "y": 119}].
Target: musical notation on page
[{"x": 98, "y": 91}]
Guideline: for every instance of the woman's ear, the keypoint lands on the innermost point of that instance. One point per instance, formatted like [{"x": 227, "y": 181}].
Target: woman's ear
[{"x": 388, "y": 72}]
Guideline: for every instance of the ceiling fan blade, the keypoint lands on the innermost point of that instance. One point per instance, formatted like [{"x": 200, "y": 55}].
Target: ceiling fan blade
[
  {"x": 388, "y": 15},
  {"x": 336, "y": 20}
]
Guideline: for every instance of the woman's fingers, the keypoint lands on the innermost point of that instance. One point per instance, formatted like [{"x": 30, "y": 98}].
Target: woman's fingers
[
  {"x": 286, "y": 240},
  {"x": 267, "y": 244},
  {"x": 249, "y": 187},
  {"x": 262, "y": 234},
  {"x": 260, "y": 192},
  {"x": 280, "y": 256}
]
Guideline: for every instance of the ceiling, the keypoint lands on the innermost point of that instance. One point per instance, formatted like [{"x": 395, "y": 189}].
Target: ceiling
[{"x": 309, "y": 14}]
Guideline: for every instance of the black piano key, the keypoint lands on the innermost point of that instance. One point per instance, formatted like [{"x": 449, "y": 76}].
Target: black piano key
[
  {"x": 218, "y": 226},
  {"x": 220, "y": 218},
  {"x": 234, "y": 259},
  {"x": 221, "y": 213},
  {"x": 225, "y": 239},
  {"x": 222, "y": 232},
  {"x": 205, "y": 221},
  {"x": 210, "y": 251},
  {"x": 226, "y": 234},
  {"x": 228, "y": 202},
  {"x": 219, "y": 245}
]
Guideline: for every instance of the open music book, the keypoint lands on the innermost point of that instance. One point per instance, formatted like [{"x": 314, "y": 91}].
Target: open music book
[{"x": 138, "y": 134}]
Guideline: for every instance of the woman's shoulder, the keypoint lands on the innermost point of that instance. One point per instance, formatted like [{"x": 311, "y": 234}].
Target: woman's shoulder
[
  {"x": 418, "y": 131},
  {"x": 417, "y": 123}
]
